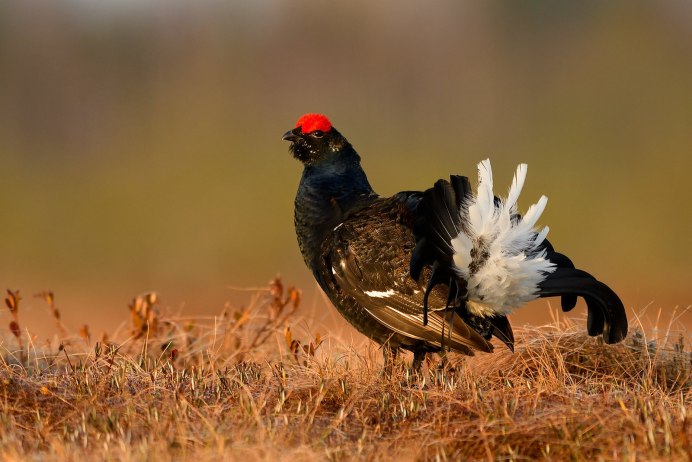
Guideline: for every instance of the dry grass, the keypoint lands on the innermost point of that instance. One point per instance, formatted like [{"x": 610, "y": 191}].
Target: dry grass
[{"x": 242, "y": 387}]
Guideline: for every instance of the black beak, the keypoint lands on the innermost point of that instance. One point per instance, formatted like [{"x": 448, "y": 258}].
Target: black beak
[{"x": 290, "y": 135}]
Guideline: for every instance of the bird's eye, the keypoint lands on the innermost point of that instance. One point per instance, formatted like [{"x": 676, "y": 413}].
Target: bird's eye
[{"x": 317, "y": 134}]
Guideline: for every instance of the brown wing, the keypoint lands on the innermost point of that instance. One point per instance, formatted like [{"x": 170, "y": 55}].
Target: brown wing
[{"x": 370, "y": 255}]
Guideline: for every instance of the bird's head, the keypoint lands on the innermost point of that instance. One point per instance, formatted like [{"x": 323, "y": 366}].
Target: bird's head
[{"x": 314, "y": 140}]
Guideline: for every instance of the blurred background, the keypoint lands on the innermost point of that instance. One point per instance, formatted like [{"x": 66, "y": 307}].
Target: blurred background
[{"x": 140, "y": 142}]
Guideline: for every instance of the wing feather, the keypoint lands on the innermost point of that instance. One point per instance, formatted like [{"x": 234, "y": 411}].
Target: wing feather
[{"x": 370, "y": 260}]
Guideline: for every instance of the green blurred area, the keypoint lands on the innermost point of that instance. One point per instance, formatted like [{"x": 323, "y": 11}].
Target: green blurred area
[{"x": 140, "y": 143}]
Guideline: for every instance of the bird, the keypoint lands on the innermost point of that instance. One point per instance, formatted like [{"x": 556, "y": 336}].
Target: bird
[{"x": 431, "y": 271}]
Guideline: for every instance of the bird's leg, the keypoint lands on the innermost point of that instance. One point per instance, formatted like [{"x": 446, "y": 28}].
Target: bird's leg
[
  {"x": 444, "y": 367},
  {"x": 418, "y": 358},
  {"x": 390, "y": 354},
  {"x": 414, "y": 375}
]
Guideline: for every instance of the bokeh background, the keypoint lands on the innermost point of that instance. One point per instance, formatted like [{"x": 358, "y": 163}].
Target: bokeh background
[{"x": 140, "y": 142}]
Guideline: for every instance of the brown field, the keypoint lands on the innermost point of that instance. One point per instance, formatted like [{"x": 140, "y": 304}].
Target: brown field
[
  {"x": 140, "y": 149},
  {"x": 254, "y": 384}
]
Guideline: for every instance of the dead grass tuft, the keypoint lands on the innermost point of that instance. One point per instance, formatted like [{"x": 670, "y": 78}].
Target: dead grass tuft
[{"x": 244, "y": 385}]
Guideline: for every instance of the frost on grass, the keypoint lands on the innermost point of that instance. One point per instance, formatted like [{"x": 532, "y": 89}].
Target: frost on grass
[{"x": 253, "y": 383}]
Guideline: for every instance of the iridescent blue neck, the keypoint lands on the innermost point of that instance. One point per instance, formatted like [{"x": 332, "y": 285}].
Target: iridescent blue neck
[{"x": 327, "y": 191}]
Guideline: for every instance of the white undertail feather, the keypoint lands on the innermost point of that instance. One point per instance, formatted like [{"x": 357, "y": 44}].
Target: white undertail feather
[
  {"x": 540, "y": 237},
  {"x": 482, "y": 210},
  {"x": 506, "y": 266},
  {"x": 517, "y": 185}
]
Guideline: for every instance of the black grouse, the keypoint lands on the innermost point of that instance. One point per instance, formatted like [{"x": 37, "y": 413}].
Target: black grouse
[{"x": 435, "y": 270}]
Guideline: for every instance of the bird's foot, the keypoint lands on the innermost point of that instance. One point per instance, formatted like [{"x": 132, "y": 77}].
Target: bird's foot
[{"x": 442, "y": 372}]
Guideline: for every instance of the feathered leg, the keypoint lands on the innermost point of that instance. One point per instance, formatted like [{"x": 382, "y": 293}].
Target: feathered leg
[{"x": 418, "y": 358}]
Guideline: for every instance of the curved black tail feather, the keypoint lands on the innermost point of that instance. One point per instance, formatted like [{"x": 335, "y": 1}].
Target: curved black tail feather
[
  {"x": 606, "y": 313},
  {"x": 568, "y": 302},
  {"x": 439, "y": 221}
]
